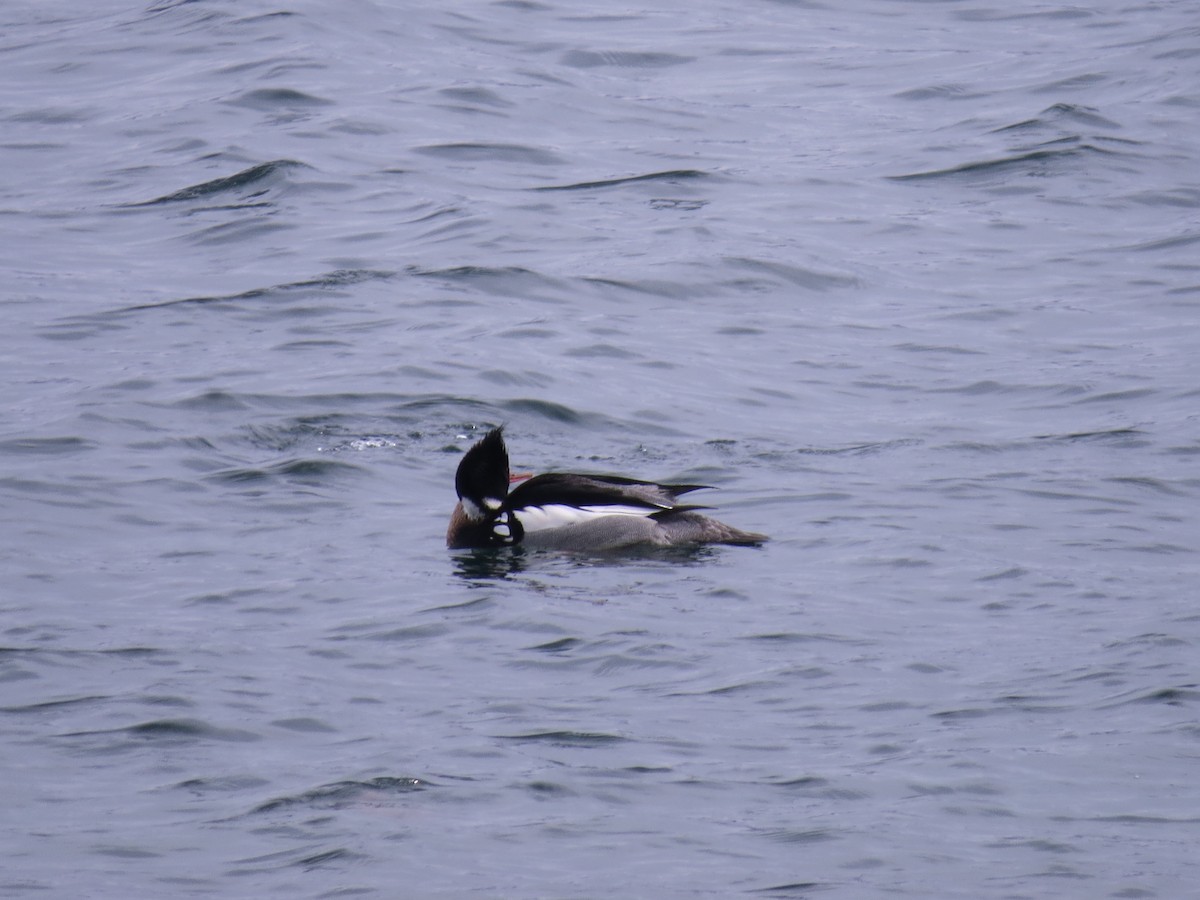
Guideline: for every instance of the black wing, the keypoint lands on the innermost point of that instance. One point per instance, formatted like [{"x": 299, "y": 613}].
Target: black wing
[{"x": 568, "y": 489}]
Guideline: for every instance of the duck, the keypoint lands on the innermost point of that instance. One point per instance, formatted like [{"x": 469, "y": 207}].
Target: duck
[{"x": 573, "y": 512}]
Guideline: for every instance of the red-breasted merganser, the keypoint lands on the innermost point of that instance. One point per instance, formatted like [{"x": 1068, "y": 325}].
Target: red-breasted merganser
[{"x": 565, "y": 511}]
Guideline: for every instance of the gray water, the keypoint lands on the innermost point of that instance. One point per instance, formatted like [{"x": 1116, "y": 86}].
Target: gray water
[{"x": 914, "y": 284}]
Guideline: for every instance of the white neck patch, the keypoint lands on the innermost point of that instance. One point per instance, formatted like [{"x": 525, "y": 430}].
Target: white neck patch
[{"x": 475, "y": 512}]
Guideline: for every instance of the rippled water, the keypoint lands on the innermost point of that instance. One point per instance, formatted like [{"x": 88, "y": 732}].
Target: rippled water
[{"x": 915, "y": 284}]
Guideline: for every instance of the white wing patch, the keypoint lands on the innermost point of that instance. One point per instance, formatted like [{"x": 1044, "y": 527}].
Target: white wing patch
[{"x": 558, "y": 515}]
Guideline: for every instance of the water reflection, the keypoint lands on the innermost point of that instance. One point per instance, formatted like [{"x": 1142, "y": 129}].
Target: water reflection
[
  {"x": 489, "y": 564},
  {"x": 499, "y": 564}
]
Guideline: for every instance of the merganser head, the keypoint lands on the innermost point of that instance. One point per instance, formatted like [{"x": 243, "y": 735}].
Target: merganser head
[{"x": 482, "y": 477}]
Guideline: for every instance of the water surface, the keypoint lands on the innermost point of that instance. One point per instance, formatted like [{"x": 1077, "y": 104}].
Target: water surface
[{"x": 913, "y": 285}]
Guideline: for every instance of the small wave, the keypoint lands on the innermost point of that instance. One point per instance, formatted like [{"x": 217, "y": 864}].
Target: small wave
[
  {"x": 673, "y": 290},
  {"x": 939, "y": 92},
  {"x": 566, "y": 738},
  {"x": 1154, "y": 485},
  {"x": 1168, "y": 243},
  {"x": 1031, "y": 162},
  {"x": 1110, "y": 434},
  {"x": 302, "y": 471},
  {"x": 555, "y": 412},
  {"x": 792, "y": 274},
  {"x": 495, "y": 280},
  {"x": 797, "y": 888},
  {"x": 112, "y": 651},
  {"x": 797, "y": 835},
  {"x": 57, "y": 446},
  {"x": 1181, "y": 197},
  {"x": 796, "y": 637},
  {"x": 1058, "y": 114},
  {"x": 625, "y": 59},
  {"x": 863, "y": 449},
  {"x": 344, "y": 793},
  {"x": 1187, "y": 694},
  {"x": 1110, "y": 396},
  {"x": 279, "y": 98},
  {"x": 243, "y": 179},
  {"x": 213, "y": 401},
  {"x": 509, "y": 153},
  {"x": 671, "y": 176},
  {"x": 47, "y": 705},
  {"x": 475, "y": 95},
  {"x": 173, "y": 731},
  {"x": 996, "y": 15},
  {"x": 665, "y": 203},
  {"x": 327, "y": 282},
  {"x": 558, "y": 646}
]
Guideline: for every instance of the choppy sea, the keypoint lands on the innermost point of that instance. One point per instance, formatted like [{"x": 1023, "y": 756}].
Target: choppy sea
[{"x": 915, "y": 285}]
